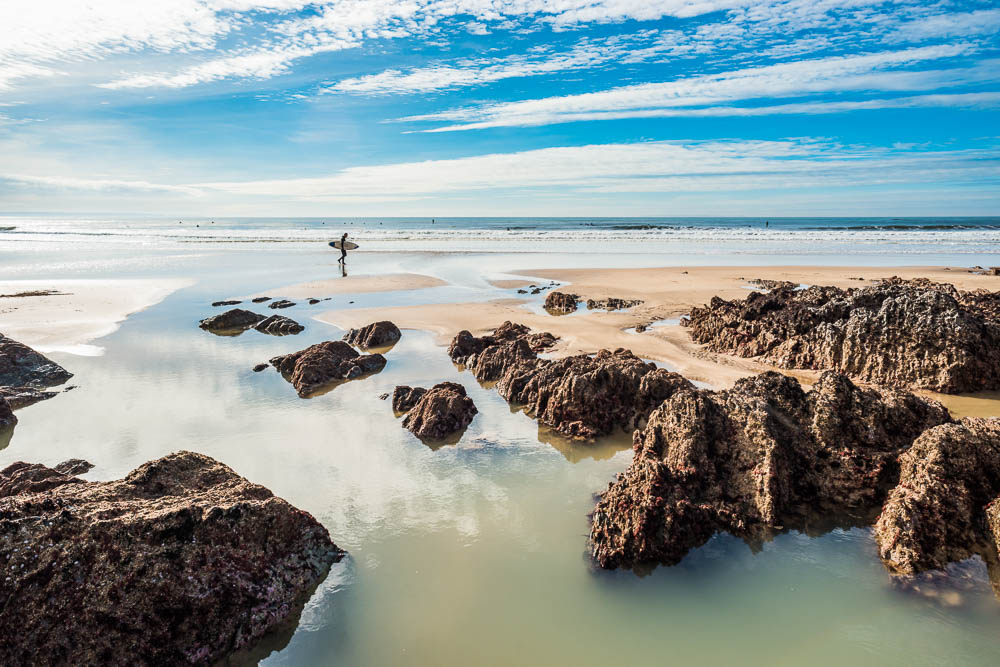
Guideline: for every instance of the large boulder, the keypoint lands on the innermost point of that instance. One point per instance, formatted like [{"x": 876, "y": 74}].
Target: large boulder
[
  {"x": 231, "y": 321},
  {"x": 441, "y": 411},
  {"x": 20, "y": 366},
  {"x": 581, "y": 396},
  {"x": 378, "y": 334},
  {"x": 279, "y": 325},
  {"x": 561, "y": 303},
  {"x": 324, "y": 364},
  {"x": 181, "y": 562},
  {"x": 938, "y": 512},
  {"x": 915, "y": 334},
  {"x": 760, "y": 457}
]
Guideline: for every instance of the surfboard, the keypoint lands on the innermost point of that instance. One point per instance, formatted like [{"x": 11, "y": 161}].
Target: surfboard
[{"x": 350, "y": 245}]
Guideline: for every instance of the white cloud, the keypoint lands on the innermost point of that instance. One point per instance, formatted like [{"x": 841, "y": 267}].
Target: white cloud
[{"x": 73, "y": 183}]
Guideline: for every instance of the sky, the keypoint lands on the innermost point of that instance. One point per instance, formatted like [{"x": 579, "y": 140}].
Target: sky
[{"x": 500, "y": 107}]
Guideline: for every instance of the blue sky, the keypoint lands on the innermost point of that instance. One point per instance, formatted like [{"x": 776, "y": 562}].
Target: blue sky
[{"x": 500, "y": 107}]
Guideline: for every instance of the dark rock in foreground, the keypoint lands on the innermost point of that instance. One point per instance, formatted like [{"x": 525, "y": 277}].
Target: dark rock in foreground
[
  {"x": 231, "y": 321},
  {"x": 440, "y": 412},
  {"x": 938, "y": 512},
  {"x": 579, "y": 396},
  {"x": 915, "y": 334},
  {"x": 20, "y": 366},
  {"x": 324, "y": 364},
  {"x": 22, "y": 397},
  {"x": 181, "y": 562},
  {"x": 404, "y": 398},
  {"x": 762, "y": 455},
  {"x": 378, "y": 334},
  {"x": 613, "y": 303},
  {"x": 279, "y": 325},
  {"x": 281, "y": 303},
  {"x": 561, "y": 303}
]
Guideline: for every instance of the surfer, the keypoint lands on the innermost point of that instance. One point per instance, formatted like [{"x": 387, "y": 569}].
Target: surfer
[{"x": 343, "y": 248}]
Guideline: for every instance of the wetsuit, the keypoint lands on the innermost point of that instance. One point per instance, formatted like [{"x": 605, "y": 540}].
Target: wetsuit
[{"x": 343, "y": 250}]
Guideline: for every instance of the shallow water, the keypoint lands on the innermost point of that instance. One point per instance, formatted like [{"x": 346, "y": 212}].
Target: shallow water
[{"x": 472, "y": 553}]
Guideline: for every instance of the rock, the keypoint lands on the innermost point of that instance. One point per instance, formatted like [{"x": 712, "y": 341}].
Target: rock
[
  {"x": 281, "y": 303},
  {"x": 7, "y": 417},
  {"x": 639, "y": 328},
  {"x": 995, "y": 270},
  {"x": 313, "y": 302},
  {"x": 993, "y": 527},
  {"x": 914, "y": 334},
  {"x": 560, "y": 303},
  {"x": 181, "y": 562},
  {"x": 612, "y": 303},
  {"x": 755, "y": 459},
  {"x": 279, "y": 325},
  {"x": 536, "y": 290},
  {"x": 260, "y": 367},
  {"x": 404, "y": 398},
  {"x": 260, "y": 299},
  {"x": 226, "y": 303},
  {"x": 579, "y": 396},
  {"x": 937, "y": 513},
  {"x": 768, "y": 284},
  {"x": 324, "y": 364},
  {"x": 22, "y": 397},
  {"x": 231, "y": 321},
  {"x": 440, "y": 412},
  {"x": 73, "y": 467},
  {"x": 20, "y": 366},
  {"x": 522, "y": 291},
  {"x": 378, "y": 334}
]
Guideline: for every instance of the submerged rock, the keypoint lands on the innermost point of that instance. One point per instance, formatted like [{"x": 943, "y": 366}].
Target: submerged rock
[
  {"x": 581, "y": 396},
  {"x": 613, "y": 303},
  {"x": 561, "y": 303},
  {"x": 378, "y": 334},
  {"x": 915, "y": 333},
  {"x": 324, "y": 364},
  {"x": 938, "y": 513},
  {"x": 404, "y": 398},
  {"x": 20, "y": 366},
  {"x": 231, "y": 321},
  {"x": 748, "y": 460},
  {"x": 231, "y": 302},
  {"x": 440, "y": 412},
  {"x": 181, "y": 562},
  {"x": 260, "y": 299},
  {"x": 279, "y": 325},
  {"x": 281, "y": 303}
]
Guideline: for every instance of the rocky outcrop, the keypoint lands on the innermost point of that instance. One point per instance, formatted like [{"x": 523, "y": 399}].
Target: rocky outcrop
[
  {"x": 20, "y": 366},
  {"x": 7, "y": 417},
  {"x": 561, "y": 303},
  {"x": 768, "y": 284},
  {"x": 440, "y": 412},
  {"x": 181, "y": 562},
  {"x": 279, "y": 325},
  {"x": 378, "y": 334},
  {"x": 22, "y": 397},
  {"x": 914, "y": 334},
  {"x": 938, "y": 513},
  {"x": 404, "y": 398},
  {"x": 234, "y": 320},
  {"x": 281, "y": 303},
  {"x": 613, "y": 303},
  {"x": 754, "y": 459},
  {"x": 325, "y": 364},
  {"x": 579, "y": 396}
]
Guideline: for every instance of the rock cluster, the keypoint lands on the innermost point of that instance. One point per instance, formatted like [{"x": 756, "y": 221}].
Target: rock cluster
[
  {"x": 378, "y": 334},
  {"x": 750, "y": 460},
  {"x": 238, "y": 320},
  {"x": 324, "y": 364},
  {"x": 581, "y": 396},
  {"x": 768, "y": 284},
  {"x": 181, "y": 562},
  {"x": 437, "y": 413},
  {"x": 561, "y": 303},
  {"x": 900, "y": 333},
  {"x": 613, "y": 303},
  {"x": 945, "y": 508}
]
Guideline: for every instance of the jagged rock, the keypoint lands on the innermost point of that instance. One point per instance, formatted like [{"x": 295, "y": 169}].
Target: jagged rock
[
  {"x": 226, "y": 303},
  {"x": 561, "y": 303},
  {"x": 181, "y": 562},
  {"x": 441, "y": 411},
  {"x": 378, "y": 334},
  {"x": 612, "y": 303},
  {"x": 913, "y": 334},
  {"x": 279, "y": 325},
  {"x": 22, "y": 397},
  {"x": 231, "y": 321},
  {"x": 937, "y": 513},
  {"x": 7, "y": 417},
  {"x": 404, "y": 398},
  {"x": 579, "y": 396},
  {"x": 752, "y": 458},
  {"x": 260, "y": 299},
  {"x": 281, "y": 303},
  {"x": 325, "y": 364},
  {"x": 20, "y": 366}
]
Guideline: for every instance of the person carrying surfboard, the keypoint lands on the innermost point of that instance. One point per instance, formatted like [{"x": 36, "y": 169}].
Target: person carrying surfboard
[{"x": 343, "y": 248}]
